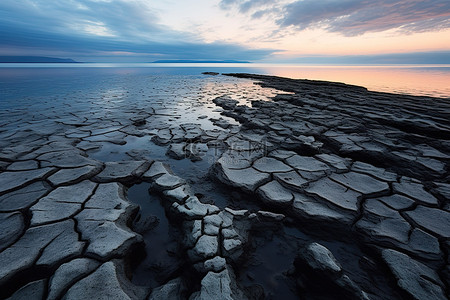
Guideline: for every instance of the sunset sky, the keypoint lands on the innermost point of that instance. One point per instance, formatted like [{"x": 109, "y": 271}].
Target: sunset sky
[{"x": 279, "y": 31}]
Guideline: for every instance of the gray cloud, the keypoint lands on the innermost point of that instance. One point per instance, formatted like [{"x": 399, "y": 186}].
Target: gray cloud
[
  {"x": 350, "y": 17},
  {"x": 257, "y": 6},
  {"x": 68, "y": 27},
  {"x": 354, "y": 17},
  {"x": 127, "y": 20}
]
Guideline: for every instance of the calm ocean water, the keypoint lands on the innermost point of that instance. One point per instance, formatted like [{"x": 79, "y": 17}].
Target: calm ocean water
[{"x": 27, "y": 79}]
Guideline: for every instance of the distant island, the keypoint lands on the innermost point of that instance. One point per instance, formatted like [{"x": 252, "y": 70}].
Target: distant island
[
  {"x": 187, "y": 61},
  {"x": 34, "y": 59}
]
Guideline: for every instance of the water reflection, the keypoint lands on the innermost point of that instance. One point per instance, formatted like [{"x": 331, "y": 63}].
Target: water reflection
[
  {"x": 423, "y": 81},
  {"x": 417, "y": 80}
]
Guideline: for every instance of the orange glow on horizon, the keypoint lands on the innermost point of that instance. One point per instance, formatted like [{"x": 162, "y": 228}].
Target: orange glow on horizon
[{"x": 376, "y": 78}]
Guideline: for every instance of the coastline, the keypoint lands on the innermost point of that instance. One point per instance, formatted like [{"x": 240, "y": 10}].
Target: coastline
[
  {"x": 422, "y": 80},
  {"x": 340, "y": 164}
]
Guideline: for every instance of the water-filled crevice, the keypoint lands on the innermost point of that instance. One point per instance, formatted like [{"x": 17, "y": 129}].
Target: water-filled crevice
[{"x": 160, "y": 256}]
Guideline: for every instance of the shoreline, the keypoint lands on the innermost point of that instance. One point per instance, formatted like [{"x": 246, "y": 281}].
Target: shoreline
[
  {"x": 408, "y": 80},
  {"x": 322, "y": 168}
]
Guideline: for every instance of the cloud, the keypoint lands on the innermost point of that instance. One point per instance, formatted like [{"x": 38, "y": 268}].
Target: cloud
[
  {"x": 256, "y": 8},
  {"x": 124, "y": 19},
  {"x": 88, "y": 28},
  {"x": 432, "y": 57},
  {"x": 246, "y": 5},
  {"x": 93, "y": 48},
  {"x": 355, "y": 17},
  {"x": 350, "y": 17}
]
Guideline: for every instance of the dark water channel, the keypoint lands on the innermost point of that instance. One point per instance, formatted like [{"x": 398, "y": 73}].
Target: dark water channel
[{"x": 161, "y": 245}]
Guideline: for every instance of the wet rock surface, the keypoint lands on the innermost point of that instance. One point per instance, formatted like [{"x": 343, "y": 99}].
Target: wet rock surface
[{"x": 257, "y": 188}]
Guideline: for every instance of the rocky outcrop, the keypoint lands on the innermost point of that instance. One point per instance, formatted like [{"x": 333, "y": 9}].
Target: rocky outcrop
[{"x": 318, "y": 168}]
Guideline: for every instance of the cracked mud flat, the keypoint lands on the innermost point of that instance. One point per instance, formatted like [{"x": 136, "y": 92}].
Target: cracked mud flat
[{"x": 215, "y": 187}]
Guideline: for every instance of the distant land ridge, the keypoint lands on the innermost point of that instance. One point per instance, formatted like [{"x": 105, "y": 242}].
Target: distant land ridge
[
  {"x": 34, "y": 59},
  {"x": 188, "y": 61}
]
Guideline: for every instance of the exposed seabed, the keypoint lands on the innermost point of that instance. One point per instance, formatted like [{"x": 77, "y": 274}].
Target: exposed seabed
[{"x": 244, "y": 186}]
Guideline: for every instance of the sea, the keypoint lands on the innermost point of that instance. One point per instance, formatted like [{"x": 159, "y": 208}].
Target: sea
[{"x": 25, "y": 79}]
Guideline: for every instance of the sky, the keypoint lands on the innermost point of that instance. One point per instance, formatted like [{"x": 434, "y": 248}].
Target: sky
[{"x": 267, "y": 31}]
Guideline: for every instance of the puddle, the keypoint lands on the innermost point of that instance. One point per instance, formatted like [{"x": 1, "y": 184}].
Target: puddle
[
  {"x": 143, "y": 146},
  {"x": 161, "y": 242},
  {"x": 196, "y": 173}
]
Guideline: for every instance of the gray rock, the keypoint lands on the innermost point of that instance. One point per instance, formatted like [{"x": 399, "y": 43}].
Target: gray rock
[
  {"x": 226, "y": 102},
  {"x": 382, "y": 223},
  {"x": 107, "y": 282},
  {"x": 306, "y": 163},
  {"x": 432, "y": 164},
  {"x": 23, "y": 165},
  {"x": 270, "y": 165},
  {"x": 206, "y": 247},
  {"x": 211, "y": 224},
  {"x": 267, "y": 215},
  {"x": 348, "y": 284},
  {"x": 215, "y": 264},
  {"x": 247, "y": 179},
  {"x": 69, "y": 273},
  {"x": 104, "y": 130},
  {"x": 70, "y": 176},
  {"x": 108, "y": 196},
  {"x": 23, "y": 197},
  {"x": 179, "y": 194},
  {"x": 281, "y": 154},
  {"x": 443, "y": 189},
  {"x": 322, "y": 261},
  {"x": 192, "y": 232},
  {"x": 33, "y": 290},
  {"x": 196, "y": 150},
  {"x": 364, "y": 184},
  {"x": 65, "y": 245},
  {"x": 335, "y": 194},
  {"x": 291, "y": 180},
  {"x": 103, "y": 222},
  {"x": 177, "y": 151},
  {"x": 13, "y": 180},
  {"x": 339, "y": 163},
  {"x": 229, "y": 233},
  {"x": 232, "y": 248},
  {"x": 379, "y": 173},
  {"x": 12, "y": 225},
  {"x": 415, "y": 278},
  {"x": 122, "y": 171},
  {"x": 66, "y": 159},
  {"x": 397, "y": 202},
  {"x": 312, "y": 176},
  {"x": 319, "y": 258},
  {"x": 414, "y": 190},
  {"x": 3, "y": 165},
  {"x": 237, "y": 159},
  {"x": 432, "y": 219},
  {"x": 61, "y": 203},
  {"x": 219, "y": 286},
  {"x": 310, "y": 208},
  {"x": 194, "y": 209},
  {"x": 274, "y": 193},
  {"x": 170, "y": 291},
  {"x": 236, "y": 213},
  {"x": 23, "y": 253},
  {"x": 429, "y": 151},
  {"x": 107, "y": 239},
  {"x": 424, "y": 243},
  {"x": 167, "y": 182},
  {"x": 156, "y": 169}
]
